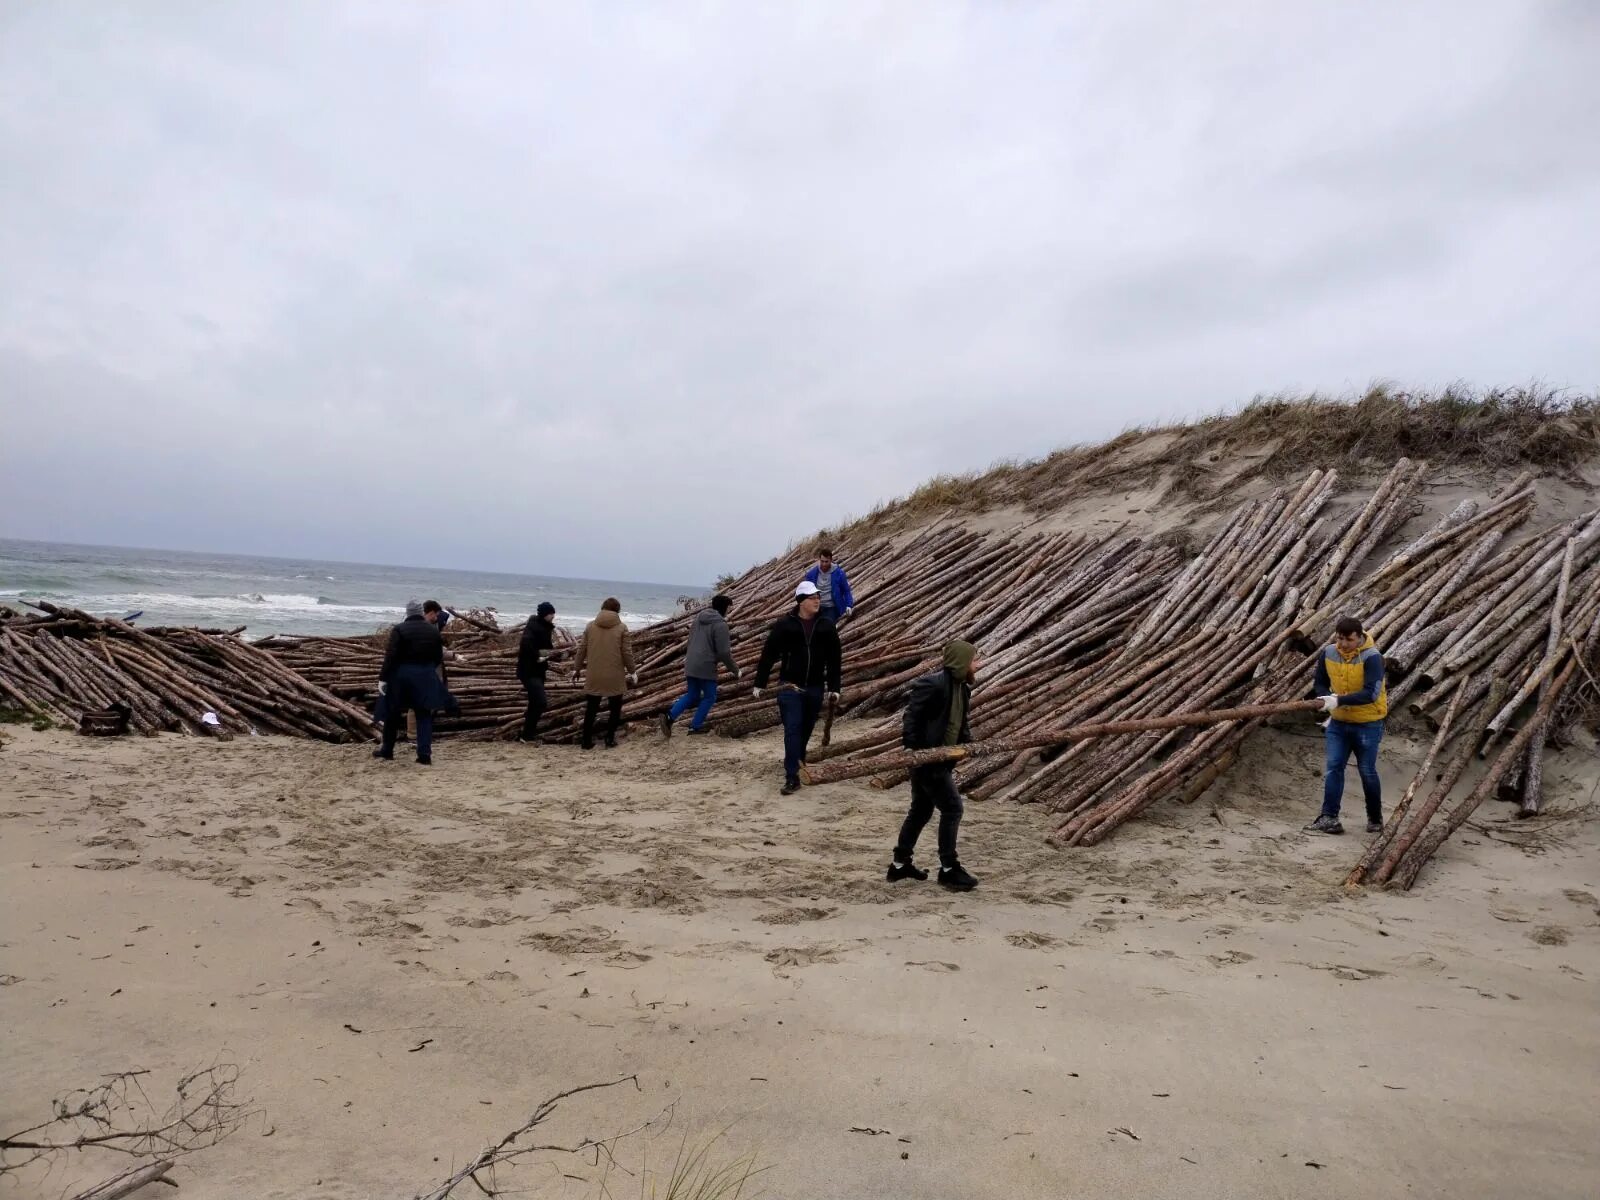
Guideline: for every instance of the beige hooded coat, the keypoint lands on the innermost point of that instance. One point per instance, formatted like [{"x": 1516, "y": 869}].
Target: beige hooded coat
[{"x": 605, "y": 653}]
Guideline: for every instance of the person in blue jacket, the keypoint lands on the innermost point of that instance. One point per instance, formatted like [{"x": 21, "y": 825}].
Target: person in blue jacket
[{"x": 833, "y": 586}]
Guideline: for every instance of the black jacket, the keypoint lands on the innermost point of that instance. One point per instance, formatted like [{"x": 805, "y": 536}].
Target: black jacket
[
  {"x": 413, "y": 642},
  {"x": 928, "y": 711},
  {"x": 533, "y": 654},
  {"x": 805, "y": 662}
]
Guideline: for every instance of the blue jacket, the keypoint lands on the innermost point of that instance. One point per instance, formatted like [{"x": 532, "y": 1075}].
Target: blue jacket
[{"x": 841, "y": 586}]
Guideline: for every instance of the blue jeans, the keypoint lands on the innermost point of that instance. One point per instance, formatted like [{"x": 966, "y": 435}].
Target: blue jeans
[
  {"x": 1362, "y": 739},
  {"x": 702, "y": 694},
  {"x": 799, "y": 710}
]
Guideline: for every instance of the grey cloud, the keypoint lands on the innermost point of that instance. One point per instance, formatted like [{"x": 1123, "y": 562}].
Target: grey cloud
[{"x": 649, "y": 293}]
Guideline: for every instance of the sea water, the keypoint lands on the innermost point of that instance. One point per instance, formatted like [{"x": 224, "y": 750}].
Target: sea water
[{"x": 285, "y": 595}]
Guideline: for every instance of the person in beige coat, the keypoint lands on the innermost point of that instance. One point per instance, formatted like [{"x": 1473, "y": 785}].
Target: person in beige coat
[{"x": 605, "y": 658}]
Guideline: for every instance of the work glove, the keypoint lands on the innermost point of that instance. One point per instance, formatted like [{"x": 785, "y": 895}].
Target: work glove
[
  {"x": 633, "y": 679},
  {"x": 846, "y": 613},
  {"x": 383, "y": 688},
  {"x": 831, "y": 697},
  {"x": 755, "y": 693},
  {"x": 738, "y": 674},
  {"x": 1329, "y": 703}
]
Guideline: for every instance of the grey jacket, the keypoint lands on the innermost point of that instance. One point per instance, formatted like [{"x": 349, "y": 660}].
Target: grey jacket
[{"x": 708, "y": 645}]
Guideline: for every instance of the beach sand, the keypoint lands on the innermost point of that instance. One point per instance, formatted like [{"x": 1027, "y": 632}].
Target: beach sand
[{"x": 402, "y": 962}]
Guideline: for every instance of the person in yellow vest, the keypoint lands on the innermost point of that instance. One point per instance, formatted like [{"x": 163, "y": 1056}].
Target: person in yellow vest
[{"x": 1349, "y": 681}]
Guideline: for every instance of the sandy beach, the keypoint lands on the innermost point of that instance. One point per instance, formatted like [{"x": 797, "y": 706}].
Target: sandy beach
[{"x": 403, "y": 962}]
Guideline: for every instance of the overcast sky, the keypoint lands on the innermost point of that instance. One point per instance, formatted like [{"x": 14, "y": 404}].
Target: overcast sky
[{"x": 645, "y": 291}]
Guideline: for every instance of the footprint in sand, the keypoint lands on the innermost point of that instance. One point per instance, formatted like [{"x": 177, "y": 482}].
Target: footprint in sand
[
  {"x": 1341, "y": 971},
  {"x": 935, "y": 965},
  {"x": 1229, "y": 958},
  {"x": 795, "y": 916},
  {"x": 803, "y": 956},
  {"x": 1550, "y": 935},
  {"x": 1028, "y": 940}
]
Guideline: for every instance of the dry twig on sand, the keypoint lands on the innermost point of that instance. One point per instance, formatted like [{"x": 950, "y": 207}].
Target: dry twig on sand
[{"x": 119, "y": 1115}]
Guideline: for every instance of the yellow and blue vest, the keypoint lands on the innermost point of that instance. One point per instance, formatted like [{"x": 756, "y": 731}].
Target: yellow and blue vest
[{"x": 1348, "y": 676}]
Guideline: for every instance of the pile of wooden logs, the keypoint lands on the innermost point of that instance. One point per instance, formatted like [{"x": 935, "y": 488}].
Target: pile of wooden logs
[
  {"x": 1242, "y": 624},
  {"x": 66, "y": 663},
  {"x": 1058, "y": 601}
]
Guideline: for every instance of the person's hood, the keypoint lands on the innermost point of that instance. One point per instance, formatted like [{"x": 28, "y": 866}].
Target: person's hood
[
  {"x": 708, "y": 616},
  {"x": 1367, "y": 644},
  {"x": 607, "y": 619},
  {"x": 958, "y": 656}
]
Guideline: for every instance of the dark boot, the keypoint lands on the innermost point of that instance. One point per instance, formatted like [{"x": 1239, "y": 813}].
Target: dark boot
[
  {"x": 956, "y": 879},
  {"x": 789, "y": 788},
  {"x": 1325, "y": 824}
]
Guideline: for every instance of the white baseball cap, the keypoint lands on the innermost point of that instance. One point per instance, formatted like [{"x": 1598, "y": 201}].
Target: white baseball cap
[{"x": 806, "y": 588}]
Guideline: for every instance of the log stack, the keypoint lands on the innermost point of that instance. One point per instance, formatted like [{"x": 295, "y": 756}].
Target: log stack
[{"x": 65, "y": 664}]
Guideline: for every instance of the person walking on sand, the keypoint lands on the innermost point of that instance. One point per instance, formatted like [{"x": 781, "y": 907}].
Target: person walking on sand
[
  {"x": 937, "y": 715},
  {"x": 833, "y": 587},
  {"x": 605, "y": 658},
  {"x": 804, "y": 646},
  {"x": 533, "y": 666},
  {"x": 1350, "y": 684},
  {"x": 709, "y": 644},
  {"x": 409, "y": 682}
]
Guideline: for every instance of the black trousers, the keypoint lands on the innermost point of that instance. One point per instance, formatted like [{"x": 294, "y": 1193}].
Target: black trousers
[
  {"x": 591, "y": 711},
  {"x": 536, "y": 707},
  {"x": 932, "y": 787}
]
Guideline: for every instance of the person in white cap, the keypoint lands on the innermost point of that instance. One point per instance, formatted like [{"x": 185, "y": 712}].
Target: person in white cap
[{"x": 804, "y": 646}]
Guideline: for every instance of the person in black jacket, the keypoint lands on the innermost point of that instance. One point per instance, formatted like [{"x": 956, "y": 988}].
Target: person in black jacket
[
  {"x": 805, "y": 649},
  {"x": 533, "y": 665},
  {"x": 937, "y": 715},
  {"x": 410, "y": 680}
]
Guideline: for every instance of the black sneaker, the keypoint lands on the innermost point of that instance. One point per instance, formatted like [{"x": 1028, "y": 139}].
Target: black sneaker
[
  {"x": 789, "y": 788},
  {"x": 1325, "y": 824},
  {"x": 389, "y": 757},
  {"x": 611, "y": 743},
  {"x": 1374, "y": 826},
  {"x": 666, "y": 726},
  {"x": 424, "y": 762},
  {"x": 956, "y": 879},
  {"x": 586, "y": 745},
  {"x": 908, "y": 870}
]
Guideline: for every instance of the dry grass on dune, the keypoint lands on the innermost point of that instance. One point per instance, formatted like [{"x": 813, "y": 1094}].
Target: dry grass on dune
[{"x": 1276, "y": 437}]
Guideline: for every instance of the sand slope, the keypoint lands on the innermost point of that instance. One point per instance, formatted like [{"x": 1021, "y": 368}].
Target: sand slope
[{"x": 1194, "y": 1009}]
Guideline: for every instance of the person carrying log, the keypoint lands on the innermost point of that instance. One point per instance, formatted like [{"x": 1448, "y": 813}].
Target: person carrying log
[
  {"x": 409, "y": 681},
  {"x": 605, "y": 658},
  {"x": 804, "y": 646},
  {"x": 1350, "y": 684},
  {"x": 937, "y": 714},
  {"x": 833, "y": 586},
  {"x": 435, "y": 612},
  {"x": 709, "y": 644},
  {"x": 533, "y": 666}
]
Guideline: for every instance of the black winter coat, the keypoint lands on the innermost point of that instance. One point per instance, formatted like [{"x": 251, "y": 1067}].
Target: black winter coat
[
  {"x": 413, "y": 642},
  {"x": 928, "y": 711},
  {"x": 533, "y": 653},
  {"x": 805, "y": 662}
]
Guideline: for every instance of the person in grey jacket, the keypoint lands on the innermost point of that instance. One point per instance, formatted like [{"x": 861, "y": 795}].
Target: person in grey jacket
[{"x": 709, "y": 644}]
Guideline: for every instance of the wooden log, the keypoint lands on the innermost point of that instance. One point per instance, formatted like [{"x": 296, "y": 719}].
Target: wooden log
[{"x": 911, "y": 759}]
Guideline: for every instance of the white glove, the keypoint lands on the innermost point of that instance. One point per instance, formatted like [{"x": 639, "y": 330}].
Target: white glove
[
  {"x": 755, "y": 693},
  {"x": 1329, "y": 703},
  {"x": 633, "y": 679},
  {"x": 846, "y": 613},
  {"x": 383, "y": 688},
  {"x": 831, "y": 697},
  {"x": 738, "y": 674},
  {"x": 461, "y": 658}
]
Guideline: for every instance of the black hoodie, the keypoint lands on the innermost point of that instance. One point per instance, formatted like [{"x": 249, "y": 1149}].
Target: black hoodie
[{"x": 803, "y": 661}]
